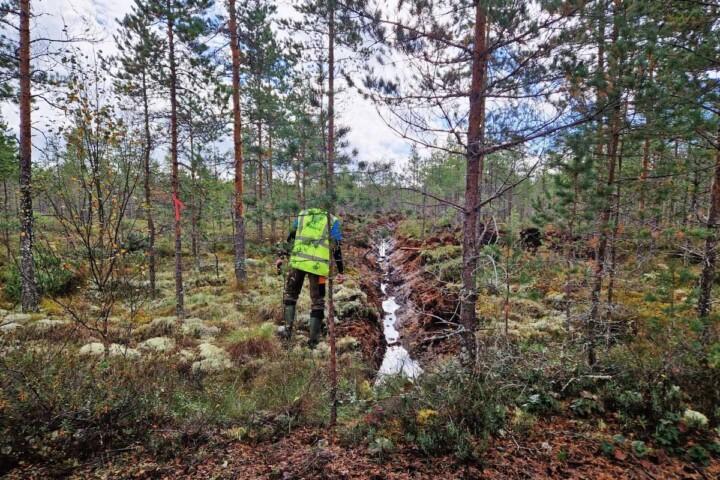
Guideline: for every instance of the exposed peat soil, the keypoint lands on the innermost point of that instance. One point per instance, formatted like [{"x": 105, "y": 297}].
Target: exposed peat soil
[
  {"x": 397, "y": 360},
  {"x": 361, "y": 256},
  {"x": 414, "y": 305},
  {"x": 430, "y": 304},
  {"x": 421, "y": 304}
]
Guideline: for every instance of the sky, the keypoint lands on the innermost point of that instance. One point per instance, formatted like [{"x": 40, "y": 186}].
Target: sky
[{"x": 373, "y": 140}]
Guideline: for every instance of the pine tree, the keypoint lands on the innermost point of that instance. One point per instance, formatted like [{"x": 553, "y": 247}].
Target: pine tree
[
  {"x": 266, "y": 69},
  {"x": 486, "y": 53},
  {"x": 684, "y": 99},
  {"x": 238, "y": 163},
  {"x": 185, "y": 22},
  {"x": 8, "y": 58},
  {"x": 29, "y": 298},
  {"x": 8, "y": 172},
  {"x": 338, "y": 25},
  {"x": 16, "y": 62},
  {"x": 201, "y": 118},
  {"x": 140, "y": 49}
]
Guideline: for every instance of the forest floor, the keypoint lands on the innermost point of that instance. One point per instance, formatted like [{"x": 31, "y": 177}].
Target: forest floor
[{"x": 556, "y": 446}]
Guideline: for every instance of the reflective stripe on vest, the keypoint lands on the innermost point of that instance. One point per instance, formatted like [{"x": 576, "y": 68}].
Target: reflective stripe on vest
[
  {"x": 311, "y": 250},
  {"x": 303, "y": 238}
]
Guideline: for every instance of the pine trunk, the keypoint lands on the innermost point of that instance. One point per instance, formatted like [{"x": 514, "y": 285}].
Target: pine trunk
[
  {"x": 424, "y": 212},
  {"x": 303, "y": 180},
  {"x": 707, "y": 278},
  {"x": 259, "y": 199},
  {"x": 297, "y": 180},
  {"x": 475, "y": 157},
  {"x": 179, "y": 289},
  {"x": 273, "y": 226},
  {"x": 613, "y": 238},
  {"x": 6, "y": 220},
  {"x": 196, "y": 205},
  {"x": 645, "y": 157},
  {"x": 329, "y": 183},
  {"x": 604, "y": 223},
  {"x": 150, "y": 252},
  {"x": 29, "y": 296},
  {"x": 239, "y": 225},
  {"x": 643, "y": 178}
]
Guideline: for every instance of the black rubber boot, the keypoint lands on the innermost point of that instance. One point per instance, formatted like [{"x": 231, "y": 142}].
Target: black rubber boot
[
  {"x": 289, "y": 316},
  {"x": 316, "y": 321}
]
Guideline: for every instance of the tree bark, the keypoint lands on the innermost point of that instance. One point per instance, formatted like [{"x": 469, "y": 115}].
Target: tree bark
[
  {"x": 695, "y": 191},
  {"x": 508, "y": 211},
  {"x": 424, "y": 212},
  {"x": 613, "y": 237},
  {"x": 329, "y": 183},
  {"x": 707, "y": 278},
  {"x": 645, "y": 157},
  {"x": 196, "y": 203},
  {"x": 297, "y": 168},
  {"x": 273, "y": 226},
  {"x": 259, "y": 200},
  {"x": 179, "y": 289},
  {"x": 148, "y": 190},
  {"x": 475, "y": 158},
  {"x": 603, "y": 227},
  {"x": 239, "y": 225},
  {"x": 6, "y": 220},
  {"x": 29, "y": 297},
  {"x": 686, "y": 195},
  {"x": 643, "y": 178},
  {"x": 303, "y": 179},
  {"x": 673, "y": 207}
]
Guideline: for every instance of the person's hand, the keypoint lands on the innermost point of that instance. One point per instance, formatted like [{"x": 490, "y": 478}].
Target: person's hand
[
  {"x": 339, "y": 278},
  {"x": 278, "y": 264}
]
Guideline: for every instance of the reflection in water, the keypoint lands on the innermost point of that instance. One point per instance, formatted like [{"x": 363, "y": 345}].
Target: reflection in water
[{"x": 397, "y": 359}]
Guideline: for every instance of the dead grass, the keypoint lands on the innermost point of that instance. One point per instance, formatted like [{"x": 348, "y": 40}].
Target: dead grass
[{"x": 245, "y": 350}]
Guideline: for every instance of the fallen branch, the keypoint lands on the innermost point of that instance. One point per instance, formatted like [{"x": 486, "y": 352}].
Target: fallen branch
[{"x": 445, "y": 336}]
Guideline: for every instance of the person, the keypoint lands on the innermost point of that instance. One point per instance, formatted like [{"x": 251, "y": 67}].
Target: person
[{"x": 312, "y": 244}]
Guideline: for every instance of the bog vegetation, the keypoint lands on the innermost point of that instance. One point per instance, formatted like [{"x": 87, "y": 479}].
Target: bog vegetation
[{"x": 552, "y": 224}]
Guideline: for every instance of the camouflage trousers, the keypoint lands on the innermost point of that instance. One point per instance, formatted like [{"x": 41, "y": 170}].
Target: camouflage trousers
[{"x": 293, "y": 286}]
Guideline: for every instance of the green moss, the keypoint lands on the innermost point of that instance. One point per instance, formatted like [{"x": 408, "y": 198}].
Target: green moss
[
  {"x": 440, "y": 254},
  {"x": 351, "y": 302},
  {"x": 409, "y": 228},
  {"x": 447, "y": 271},
  {"x": 265, "y": 330}
]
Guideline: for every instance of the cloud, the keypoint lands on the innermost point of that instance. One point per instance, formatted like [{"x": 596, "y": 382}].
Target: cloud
[
  {"x": 374, "y": 140},
  {"x": 56, "y": 18}
]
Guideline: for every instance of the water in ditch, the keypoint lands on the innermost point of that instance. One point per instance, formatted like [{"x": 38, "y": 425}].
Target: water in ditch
[{"x": 397, "y": 360}]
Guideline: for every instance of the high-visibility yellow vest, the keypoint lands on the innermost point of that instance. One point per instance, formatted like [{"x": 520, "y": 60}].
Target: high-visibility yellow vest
[{"x": 311, "y": 250}]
